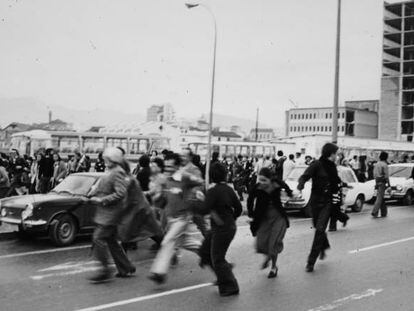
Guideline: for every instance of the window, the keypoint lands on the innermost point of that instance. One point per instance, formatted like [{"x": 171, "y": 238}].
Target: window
[
  {"x": 330, "y": 129},
  {"x": 343, "y": 128},
  {"x": 343, "y": 115},
  {"x": 326, "y": 116},
  {"x": 339, "y": 115},
  {"x": 330, "y": 115},
  {"x": 314, "y": 115},
  {"x": 317, "y": 128},
  {"x": 306, "y": 116}
]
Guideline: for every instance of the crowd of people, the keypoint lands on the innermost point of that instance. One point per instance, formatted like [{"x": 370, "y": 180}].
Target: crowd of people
[{"x": 165, "y": 194}]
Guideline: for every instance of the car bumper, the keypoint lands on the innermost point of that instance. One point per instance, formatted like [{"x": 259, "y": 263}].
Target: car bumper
[
  {"x": 28, "y": 224},
  {"x": 294, "y": 205}
]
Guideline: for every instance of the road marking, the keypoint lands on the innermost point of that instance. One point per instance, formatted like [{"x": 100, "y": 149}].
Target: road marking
[
  {"x": 380, "y": 245},
  {"x": 47, "y": 251},
  {"x": 148, "y": 297},
  {"x": 340, "y": 302}
]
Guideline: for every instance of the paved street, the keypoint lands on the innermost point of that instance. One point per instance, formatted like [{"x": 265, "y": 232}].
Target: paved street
[{"x": 370, "y": 267}]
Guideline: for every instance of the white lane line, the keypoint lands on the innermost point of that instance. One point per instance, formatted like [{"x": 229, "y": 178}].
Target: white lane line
[
  {"x": 355, "y": 251},
  {"x": 143, "y": 298},
  {"x": 47, "y": 251},
  {"x": 340, "y": 302}
]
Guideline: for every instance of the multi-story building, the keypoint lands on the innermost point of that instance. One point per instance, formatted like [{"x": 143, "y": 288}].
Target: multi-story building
[
  {"x": 356, "y": 118},
  {"x": 160, "y": 113},
  {"x": 396, "y": 111},
  {"x": 263, "y": 134}
]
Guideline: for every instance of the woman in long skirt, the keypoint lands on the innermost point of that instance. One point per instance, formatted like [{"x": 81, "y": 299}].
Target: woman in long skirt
[{"x": 270, "y": 220}]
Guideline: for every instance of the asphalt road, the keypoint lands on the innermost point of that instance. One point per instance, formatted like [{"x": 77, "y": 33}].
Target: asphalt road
[{"x": 370, "y": 267}]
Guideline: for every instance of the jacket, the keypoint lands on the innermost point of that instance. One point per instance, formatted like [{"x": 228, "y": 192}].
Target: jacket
[
  {"x": 263, "y": 200},
  {"x": 4, "y": 178},
  {"x": 136, "y": 213},
  {"x": 112, "y": 189},
  {"x": 60, "y": 171}
]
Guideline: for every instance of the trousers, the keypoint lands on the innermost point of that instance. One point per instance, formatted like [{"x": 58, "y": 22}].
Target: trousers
[
  {"x": 104, "y": 238},
  {"x": 337, "y": 214},
  {"x": 213, "y": 253},
  {"x": 321, "y": 211},
  {"x": 380, "y": 201},
  {"x": 176, "y": 237}
]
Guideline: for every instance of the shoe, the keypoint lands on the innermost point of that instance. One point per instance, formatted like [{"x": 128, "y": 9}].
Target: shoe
[
  {"x": 101, "y": 277},
  {"x": 158, "y": 278},
  {"x": 344, "y": 224},
  {"x": 126, "y": 275},
  {"x": 332, "y": 229},
  {"x": 322, "y": 255},
  {"x": 309, "y": 267},
  {"x": 265, "y": 264},
  {"x": 374, "y": 216},
  {"x": 230, "y": 293},
  {"x": 272, "y": 273}
]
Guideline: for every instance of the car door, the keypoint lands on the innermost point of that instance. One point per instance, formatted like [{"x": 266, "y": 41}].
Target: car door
[
  {"x": 90, "y": 209},
  {"x": 348, "y": 176}
]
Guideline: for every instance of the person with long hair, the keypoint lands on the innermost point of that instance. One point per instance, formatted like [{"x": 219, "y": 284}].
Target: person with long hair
[{"x": 270, "y": 220}]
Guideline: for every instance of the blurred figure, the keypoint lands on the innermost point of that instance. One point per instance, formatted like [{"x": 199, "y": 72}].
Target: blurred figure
[
  {"x": 46, "y": 172},
  {"x": 100, "y": 164},
  {"x": 144, "y": 172},
  {"x": 288, "y": 166},
  {"x": 4, "y": 180},
  {"x": 279, "y": 166},
  {"x": 59, "y": 170},
  {"x": 299, "y": 159},
  {"x": 34, "y": 173}
]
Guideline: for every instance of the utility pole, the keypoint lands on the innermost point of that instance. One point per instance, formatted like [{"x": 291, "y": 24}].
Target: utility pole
[
  {"x": 337, "y": 67},
  {"x": 257, "y": 125}
]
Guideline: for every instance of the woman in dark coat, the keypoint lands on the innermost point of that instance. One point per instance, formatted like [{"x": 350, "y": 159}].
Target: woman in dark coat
[
  {"x": 270, "y": 220},
  {"x": 224, "y": 207}
]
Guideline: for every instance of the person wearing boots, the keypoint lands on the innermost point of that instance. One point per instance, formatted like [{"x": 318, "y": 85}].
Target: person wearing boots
[{"x": 325, "y": 186}]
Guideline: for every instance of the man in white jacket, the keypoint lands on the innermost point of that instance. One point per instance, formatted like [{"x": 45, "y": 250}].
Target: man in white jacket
[{"x": 288, "y": 166}]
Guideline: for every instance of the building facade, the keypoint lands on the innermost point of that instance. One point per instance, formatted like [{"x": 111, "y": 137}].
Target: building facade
[
  {"x": 356, "y": 118},
  {"x": 161, "y": 113},
  {"x": 263, "y": 134},
  {"x": 396, "y": 112}
]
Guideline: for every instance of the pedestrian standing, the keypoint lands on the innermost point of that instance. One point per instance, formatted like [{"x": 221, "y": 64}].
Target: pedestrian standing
[
  {"x": 144, "y": 172},
  {"x": 110, "y": 199},
  {"x": 46, "y": 172},
  {"x": 382, "y": 182},
  {"x": 288, "y": 166},
  {"x": 279, "y": 166},
  {"x": 34, "y": 173},
  {"x": 100, "y": 164},
  {"x": 60, "y": 169},
  {"x": 4, "y": 180},
  {"x": 325, "y": 186},
  {"x": 270, "y": 220},
  {"x": 224, "y": 208}
]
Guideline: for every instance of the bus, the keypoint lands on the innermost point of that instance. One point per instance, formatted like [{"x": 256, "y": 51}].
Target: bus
[
  {"x": 235, "y": 148},
  {"x": 89, "y": 143}
]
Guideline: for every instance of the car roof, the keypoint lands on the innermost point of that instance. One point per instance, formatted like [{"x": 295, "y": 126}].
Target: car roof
[{"x": 88, "y": 174}]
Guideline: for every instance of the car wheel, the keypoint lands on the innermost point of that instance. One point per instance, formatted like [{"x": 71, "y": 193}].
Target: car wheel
[
  {"x": 359, "y": 203},
  {"x": 408, "y": 198},
  {"x": 306, "y": 211},
  {"x": 63, "y": 230}
]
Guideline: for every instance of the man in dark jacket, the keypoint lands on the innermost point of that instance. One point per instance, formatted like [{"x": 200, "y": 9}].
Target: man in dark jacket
[
  {"x": 46, "y": 172},
  {"x": 325, "y": 188}
]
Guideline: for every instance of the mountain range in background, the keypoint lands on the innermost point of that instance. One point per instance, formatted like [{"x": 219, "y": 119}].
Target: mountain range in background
[{"x": 27, "y": 110}]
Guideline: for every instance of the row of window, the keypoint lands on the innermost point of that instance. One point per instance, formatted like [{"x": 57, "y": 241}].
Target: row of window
[
  {"x": 309, "y": 116},
  {"x": 315, "y": 128}
]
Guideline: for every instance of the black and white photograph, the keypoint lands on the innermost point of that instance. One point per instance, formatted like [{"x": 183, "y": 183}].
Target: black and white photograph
[{"x": 200, "y": 155}]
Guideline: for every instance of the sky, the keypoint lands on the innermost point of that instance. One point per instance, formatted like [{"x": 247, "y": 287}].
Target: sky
[{"x": 129, "y": 54}]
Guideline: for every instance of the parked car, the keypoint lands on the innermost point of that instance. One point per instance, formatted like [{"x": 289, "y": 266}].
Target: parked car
[
  {"x": 401, "y": 183},
  {"x": 353, "y": 197},
  {"x": 61, "y": 213}
]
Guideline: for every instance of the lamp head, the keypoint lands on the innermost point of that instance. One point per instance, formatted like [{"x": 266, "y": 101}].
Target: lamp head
[{"x": 191, "y": 5}]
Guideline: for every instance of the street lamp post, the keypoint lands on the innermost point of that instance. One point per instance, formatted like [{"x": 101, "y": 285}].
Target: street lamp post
[
  {"x": 210, "y": 127},
  {"x": 336, "y": 90}
]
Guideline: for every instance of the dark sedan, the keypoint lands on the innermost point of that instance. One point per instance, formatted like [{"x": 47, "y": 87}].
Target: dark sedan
[{"x": 62, "y": 213}]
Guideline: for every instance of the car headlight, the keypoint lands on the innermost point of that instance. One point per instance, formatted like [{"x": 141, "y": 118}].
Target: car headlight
[
  {"x": 3, "y": 212},
  {"x": 28, "y": 211},
  {"x": 399, "y": 188}
]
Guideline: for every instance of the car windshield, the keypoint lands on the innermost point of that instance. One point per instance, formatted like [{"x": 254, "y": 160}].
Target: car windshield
[
  {"x": 400, "y": 171},
  {"x": 296, "y": 173},
  {"x": 346, "y": 176},
  {"x": 78, "y": 185}
]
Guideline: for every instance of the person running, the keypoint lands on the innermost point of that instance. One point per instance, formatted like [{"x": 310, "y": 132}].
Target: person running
[
  {"x": 224, "y": 208},
  {"x": 109, "y": 197},
  {"x": 270, "y": 220},
  {"x": 382, "y": 182},
  {"x": 325, "y": 186},
  {"x": 178, "y": 221}
]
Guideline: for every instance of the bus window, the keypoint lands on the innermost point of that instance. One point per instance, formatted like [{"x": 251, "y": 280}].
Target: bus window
[
  {"x": 93, "y": 144},
  {"x": 69, "y": 144},
  {"x": 222, "y": 150},
  {"x": 143, "y": 146}
]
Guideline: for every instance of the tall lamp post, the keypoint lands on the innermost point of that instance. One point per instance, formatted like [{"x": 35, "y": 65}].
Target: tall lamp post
[
  {"x": 336, "y": 90},
  {"x": 210, "y": 124}
]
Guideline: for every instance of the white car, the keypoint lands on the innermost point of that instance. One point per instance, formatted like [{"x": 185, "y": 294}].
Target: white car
[
  {"x": 354, "y": 198},
  {"x": 401, "y": 182}
]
